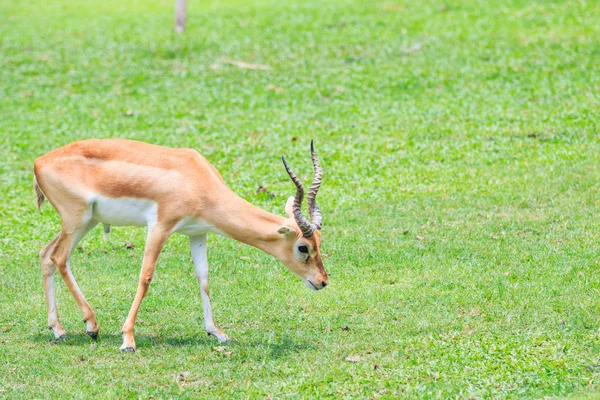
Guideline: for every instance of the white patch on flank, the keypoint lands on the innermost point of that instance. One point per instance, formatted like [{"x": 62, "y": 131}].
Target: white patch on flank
[{"x": 124, "y": 211}]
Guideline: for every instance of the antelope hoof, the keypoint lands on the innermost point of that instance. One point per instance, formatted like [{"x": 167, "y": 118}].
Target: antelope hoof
[
  {"x": 128, "y": 350},
  {"x": 221, "y": 337},
  {"x": 93, "y": 335},
  {"x": 128, "y": 346},
  {"x": 59, "y": 334},
  {"x": 91, "y": 326}
]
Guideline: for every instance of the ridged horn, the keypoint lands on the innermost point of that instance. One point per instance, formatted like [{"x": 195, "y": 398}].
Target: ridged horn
[
  {"x": 306, "y": 227},
  {"x": 313, "y": 209}
]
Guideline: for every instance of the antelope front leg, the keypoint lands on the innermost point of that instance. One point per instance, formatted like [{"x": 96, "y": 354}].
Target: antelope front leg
[
  {"x": 157, "y": 236},
  {"x": 198, "y": 245}
]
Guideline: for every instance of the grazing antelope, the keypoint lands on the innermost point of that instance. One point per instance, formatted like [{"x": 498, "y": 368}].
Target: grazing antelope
[{"x": 124, "y": 182}]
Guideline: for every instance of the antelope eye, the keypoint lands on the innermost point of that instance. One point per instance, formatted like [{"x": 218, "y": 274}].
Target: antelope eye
[{"x": 303, "y": 249}]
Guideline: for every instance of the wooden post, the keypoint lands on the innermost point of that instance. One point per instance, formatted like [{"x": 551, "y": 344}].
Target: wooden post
[{"x": 180, "y": 6}]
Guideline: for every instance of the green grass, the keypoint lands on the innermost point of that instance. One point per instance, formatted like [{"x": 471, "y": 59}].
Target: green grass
[{"x": 460, "y": 146}]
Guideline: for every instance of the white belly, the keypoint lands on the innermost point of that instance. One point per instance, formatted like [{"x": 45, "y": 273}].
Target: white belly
[
  {"x": 194, "y": 226},
  {"x": 124, "y": 211}
]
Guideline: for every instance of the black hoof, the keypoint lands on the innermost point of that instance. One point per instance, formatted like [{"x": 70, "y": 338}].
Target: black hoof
[
  {"x": 128, "y": 350},
  {"x": 93, "y": 335}
]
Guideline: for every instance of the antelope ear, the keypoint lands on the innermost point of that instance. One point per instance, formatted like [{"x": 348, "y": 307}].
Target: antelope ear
[
  {"x": 287, "y": 231},
  {"x": 289, "y": 207}
]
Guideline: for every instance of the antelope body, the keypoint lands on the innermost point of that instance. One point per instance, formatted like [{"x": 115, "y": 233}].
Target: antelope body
[{"x": 123, "y": 182}]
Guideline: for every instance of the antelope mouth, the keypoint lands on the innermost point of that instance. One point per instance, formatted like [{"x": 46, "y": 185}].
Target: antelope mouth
[{"x": 311, "y": 285}]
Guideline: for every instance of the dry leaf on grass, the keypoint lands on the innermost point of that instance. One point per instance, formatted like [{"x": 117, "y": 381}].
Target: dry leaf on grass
[
  {"x": 181, "y": 377},
  {"x": 274, "y": 88},
  {"x": 393, "y": 7},
  {"x": 222, "y": 350},
  {"x": 420, "y": 237},
  {"x": 412, "y": 49},
  {"x": 354, "y": 359},
  {"x": 245, "y": 65}
]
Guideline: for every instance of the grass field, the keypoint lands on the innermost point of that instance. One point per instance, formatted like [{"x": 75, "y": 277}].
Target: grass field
[{"x": 460, "y": 146}]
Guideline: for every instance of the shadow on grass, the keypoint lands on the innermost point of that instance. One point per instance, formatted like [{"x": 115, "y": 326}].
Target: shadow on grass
[
  {"x": 284, "y": 346},
  {"x": 276, "y": 348},
  {"x": 141, "y": 341}
]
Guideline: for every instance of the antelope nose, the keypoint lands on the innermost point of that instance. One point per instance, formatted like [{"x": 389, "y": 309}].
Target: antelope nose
[{"x": 324, "y": 283}]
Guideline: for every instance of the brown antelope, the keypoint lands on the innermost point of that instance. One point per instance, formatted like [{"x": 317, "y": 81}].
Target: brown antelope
[{"x": 124, "y": 182}]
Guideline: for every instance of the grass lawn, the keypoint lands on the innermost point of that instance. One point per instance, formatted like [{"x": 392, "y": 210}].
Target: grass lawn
[{"x": 461, "y": 154}]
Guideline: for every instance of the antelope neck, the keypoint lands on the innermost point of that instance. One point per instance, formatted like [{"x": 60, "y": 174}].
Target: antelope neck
[{"x": 249, "y": 224}]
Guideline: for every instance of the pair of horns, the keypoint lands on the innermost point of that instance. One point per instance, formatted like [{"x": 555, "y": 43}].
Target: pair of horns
[{"x": 307, "y": 227}]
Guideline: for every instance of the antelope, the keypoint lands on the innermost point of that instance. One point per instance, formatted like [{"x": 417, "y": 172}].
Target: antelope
[{"x": 129, "y": 183}]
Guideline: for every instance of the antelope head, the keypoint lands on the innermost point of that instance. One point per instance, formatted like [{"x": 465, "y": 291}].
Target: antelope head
[{"x": 303, "y": 237}]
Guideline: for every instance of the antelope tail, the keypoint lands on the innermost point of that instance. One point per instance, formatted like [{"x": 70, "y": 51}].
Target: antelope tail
[{"x": 38, "y": 193}]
